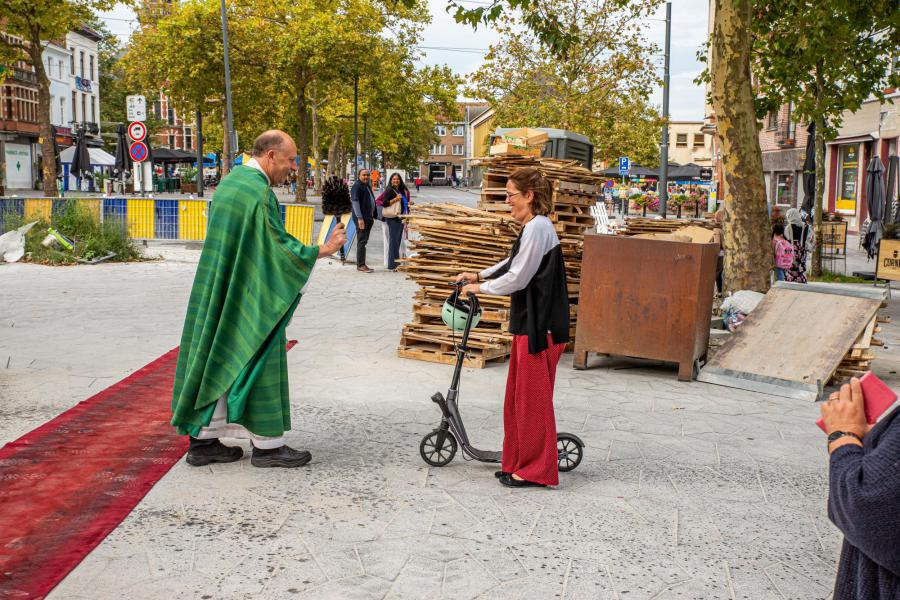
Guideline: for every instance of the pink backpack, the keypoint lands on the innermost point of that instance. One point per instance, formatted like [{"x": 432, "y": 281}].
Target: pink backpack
[{"x": 784, "y": 254}]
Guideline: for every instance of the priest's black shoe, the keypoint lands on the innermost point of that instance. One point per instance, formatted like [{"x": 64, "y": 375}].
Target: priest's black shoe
[
  {"x": 205, "y": 452},
  {"x": 285, "y": 457},
  {"x": 510, "y": 481},
  {"x": 499, "y": 474}
]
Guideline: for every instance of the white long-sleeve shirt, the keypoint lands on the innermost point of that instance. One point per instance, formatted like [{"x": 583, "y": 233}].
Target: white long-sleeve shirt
[{"x": 538, "y": 238}]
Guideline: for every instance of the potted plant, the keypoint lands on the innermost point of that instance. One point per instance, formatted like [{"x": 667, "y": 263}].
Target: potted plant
[{"x": 189, "y": 181}]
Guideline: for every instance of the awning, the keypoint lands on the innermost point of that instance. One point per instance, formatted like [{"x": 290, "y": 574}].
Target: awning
[
  {"x": 98, "y": 156},
  {"x": 851, "y": 139},
  {"x": 165, "y": 155}
]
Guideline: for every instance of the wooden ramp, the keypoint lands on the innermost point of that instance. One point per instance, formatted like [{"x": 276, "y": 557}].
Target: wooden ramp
[{"x": 794, "y": 341}]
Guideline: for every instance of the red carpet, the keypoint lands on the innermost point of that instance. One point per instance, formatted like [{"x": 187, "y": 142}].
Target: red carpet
[{"x": 68, "y": 483}]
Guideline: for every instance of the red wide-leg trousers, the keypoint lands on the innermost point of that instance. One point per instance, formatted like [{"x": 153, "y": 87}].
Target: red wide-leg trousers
[{"x": 529, "y": 425}]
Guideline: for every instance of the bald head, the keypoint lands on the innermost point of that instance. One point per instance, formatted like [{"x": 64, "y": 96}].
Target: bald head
[
  {"x": 276, "y": 153},
  {"x": 273, "y": 139}
]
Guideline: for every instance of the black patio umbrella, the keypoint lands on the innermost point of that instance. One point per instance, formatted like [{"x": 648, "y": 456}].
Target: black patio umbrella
[
  {"x": 875, "y": 198},
  {"x": 123, "y": 160},
  {"x": 81, "y": 162},
  {"x": 809, "y": 171},
  {"x": 892, "y": 197}
]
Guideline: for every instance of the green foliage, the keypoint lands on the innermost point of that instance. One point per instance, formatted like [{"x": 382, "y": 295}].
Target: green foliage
[
  {"x": 831, "y": 277},
  {"x": 599, "y": 86},
  {"x": 92, "y": 239},
  {"x": 837, "y": 59}
]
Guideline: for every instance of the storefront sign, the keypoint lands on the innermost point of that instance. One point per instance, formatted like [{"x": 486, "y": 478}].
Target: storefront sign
[
  {"x": 83, "y": 84},
  {"x": 889, "y": 260},
  {"x": 846, "y": 200}
]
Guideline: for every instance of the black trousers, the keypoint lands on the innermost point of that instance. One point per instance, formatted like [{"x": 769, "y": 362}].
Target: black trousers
[
  {"x": 395, "y": 238},
  {"x": 362, "y": 238}
]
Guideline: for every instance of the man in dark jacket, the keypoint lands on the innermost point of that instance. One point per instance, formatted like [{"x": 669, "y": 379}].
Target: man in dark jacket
[
  {"x": 864, "y": 496},
  {"x": 364, "y": 212}
]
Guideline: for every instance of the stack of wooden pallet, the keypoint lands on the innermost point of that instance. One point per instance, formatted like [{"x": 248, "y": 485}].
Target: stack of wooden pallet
[
  {"x": 858, "y": 359},
  {"x": 448, "y": 239},
  {"x": 641, "y": 225}
]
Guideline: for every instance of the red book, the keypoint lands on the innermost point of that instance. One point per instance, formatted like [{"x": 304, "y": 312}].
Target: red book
[{"x": 877, "y": 396}]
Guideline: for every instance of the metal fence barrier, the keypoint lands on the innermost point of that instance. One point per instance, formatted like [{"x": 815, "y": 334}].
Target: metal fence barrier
[{"x": 149, "y": 218}]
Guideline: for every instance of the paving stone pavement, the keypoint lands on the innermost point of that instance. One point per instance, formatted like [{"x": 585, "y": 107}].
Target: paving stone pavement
[{"x": 686, "y": 490}]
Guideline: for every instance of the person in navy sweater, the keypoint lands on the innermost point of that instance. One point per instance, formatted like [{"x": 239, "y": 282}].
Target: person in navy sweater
[{"x": 864, "y": 496}]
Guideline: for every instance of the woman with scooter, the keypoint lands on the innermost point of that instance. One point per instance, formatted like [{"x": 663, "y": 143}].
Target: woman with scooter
[{"x": 534, "y": 277}]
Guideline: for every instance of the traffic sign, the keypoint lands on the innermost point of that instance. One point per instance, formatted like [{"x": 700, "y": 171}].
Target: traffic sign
[
  {"x": 136, "y": 107},
  {"x": 624, "y": 165},
  {"x": 138, "y": 151},
  {"x": 137, "y": 131}
]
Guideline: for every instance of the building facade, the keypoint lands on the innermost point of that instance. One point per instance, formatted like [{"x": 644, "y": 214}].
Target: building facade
[
  {"x": 178, "y": 133},
  {"x": 688, "y": 143},
  {"x": 19, "y": 129},
  {"x": 783, "y": 144},
  {"x": 57, "y": 61},
  {"x": 84, "y": 87},
  {"x": 873, "y": 130},
  {"x": 448, "y": 157},
  {"x": 480, "y": 128}
]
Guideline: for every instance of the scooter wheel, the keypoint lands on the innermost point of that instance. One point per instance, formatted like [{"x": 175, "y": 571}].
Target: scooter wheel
[
  {"x": 570, "y": 451},
  {"x": 438, "y": 448}
]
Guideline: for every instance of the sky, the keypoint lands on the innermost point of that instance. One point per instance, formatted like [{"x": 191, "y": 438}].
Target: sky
[{"x": 446, "y": 42}]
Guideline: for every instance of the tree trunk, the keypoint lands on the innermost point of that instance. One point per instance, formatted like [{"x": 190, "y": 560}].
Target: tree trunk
[
  {"x": 48, "y": 160},
  {"x": 333, "y": 154},
  {"x": 226, "y": 144},
  {"x": 819, "y": 211},
  {"x": 317, "y": 173},
  {"x": 302, "y": 137},
  {"x": 748, "y": 255}
]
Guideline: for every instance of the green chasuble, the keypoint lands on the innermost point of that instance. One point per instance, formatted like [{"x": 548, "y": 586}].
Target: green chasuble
[{"x": 247, "y": 286}]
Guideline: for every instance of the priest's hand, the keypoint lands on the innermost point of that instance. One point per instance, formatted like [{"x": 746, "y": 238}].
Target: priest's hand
[
  {"x": 335, "y": 241},
  {"x": 467, "y": 277}
]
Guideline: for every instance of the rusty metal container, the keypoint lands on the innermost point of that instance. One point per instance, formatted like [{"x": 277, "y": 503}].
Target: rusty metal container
[{"x": 645, "y": 298}]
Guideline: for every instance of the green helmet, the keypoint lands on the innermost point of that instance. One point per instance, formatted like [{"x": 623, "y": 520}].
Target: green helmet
[{"x": 456, "y": 311}]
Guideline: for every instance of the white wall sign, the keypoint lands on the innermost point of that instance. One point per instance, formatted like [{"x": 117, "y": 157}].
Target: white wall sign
[
  {"x": 18, "y": 166},
  {"x": 136, "y": 107}
]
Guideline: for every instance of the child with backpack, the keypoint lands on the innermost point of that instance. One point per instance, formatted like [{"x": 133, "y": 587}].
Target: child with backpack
[{"x": 784, "y": 252}]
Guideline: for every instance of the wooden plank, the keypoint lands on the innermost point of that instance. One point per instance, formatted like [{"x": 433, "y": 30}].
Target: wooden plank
[{"x": 833, "y": 321}]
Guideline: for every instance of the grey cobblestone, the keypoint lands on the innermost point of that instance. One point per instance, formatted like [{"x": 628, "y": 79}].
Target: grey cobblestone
[{"x": 686, "y": 491}]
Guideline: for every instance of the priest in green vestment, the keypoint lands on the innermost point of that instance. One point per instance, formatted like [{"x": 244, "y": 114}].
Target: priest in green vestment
[{"x": 231, "y": 379}]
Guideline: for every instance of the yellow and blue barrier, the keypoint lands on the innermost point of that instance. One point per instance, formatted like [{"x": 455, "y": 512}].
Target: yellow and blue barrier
[{"x": 150, "y": 218}]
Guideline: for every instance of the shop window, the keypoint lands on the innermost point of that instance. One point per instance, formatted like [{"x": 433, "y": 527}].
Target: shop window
[
  {"x": 785, "y": 185},
  {"x": 437, "y": 172},
  {"x": 848, "y": 178}
]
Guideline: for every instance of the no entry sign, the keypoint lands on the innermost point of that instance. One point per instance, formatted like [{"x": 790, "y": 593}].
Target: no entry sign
[
  {"x": 138, "y": 151},
  {"x": 137, "y": 131}
]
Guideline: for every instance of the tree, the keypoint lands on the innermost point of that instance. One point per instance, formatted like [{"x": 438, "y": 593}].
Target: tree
[
  {"x": 32, "y": 23},
  {"x": 842, "y": 58},
  {"x": 748, "y": 258},
  {"x": 180, "y": 53},
  {"x": 600, "y": 86}
]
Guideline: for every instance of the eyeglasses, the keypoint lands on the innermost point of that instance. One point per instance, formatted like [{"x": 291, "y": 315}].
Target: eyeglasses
[{"x": 508, "y": 195}]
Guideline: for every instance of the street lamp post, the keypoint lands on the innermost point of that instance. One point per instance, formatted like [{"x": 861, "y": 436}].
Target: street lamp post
[
  {"x": 664, "y": 147},
  {"x": 229, "y": 158}
]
